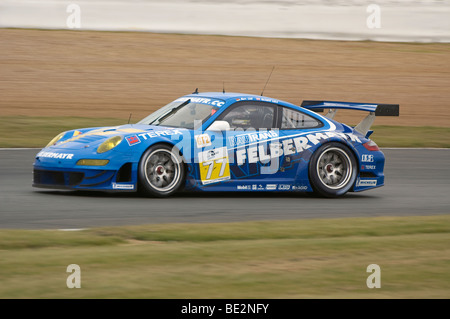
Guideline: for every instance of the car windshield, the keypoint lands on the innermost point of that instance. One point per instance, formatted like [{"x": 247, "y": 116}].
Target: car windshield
[{"x": 180, "y": 114}]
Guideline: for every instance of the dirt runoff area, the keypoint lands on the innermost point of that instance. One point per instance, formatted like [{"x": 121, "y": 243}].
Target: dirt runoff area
[{"x": 113, "y": 74}]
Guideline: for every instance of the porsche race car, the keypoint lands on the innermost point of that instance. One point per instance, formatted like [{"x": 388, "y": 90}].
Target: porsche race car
[{"x": 222, "y": 142}]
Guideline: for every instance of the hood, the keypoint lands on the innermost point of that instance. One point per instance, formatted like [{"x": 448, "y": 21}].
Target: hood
[{"x": 94, "y": 136}]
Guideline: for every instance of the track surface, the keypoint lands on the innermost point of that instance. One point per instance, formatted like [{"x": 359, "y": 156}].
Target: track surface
[{"x": 417, "y": 183}]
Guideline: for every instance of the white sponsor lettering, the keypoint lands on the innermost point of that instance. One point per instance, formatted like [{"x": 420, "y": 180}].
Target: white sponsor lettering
[
  {"x": 55, "y": 155},
  {"x": 251, "y": 137},
  {"x": 202, "y": 100},
  {"x": 257, "y": 187},
  {"x": 154, "y": 134},
  {"x": 271, "y": 187},
  {"x": 263, "y": 152},
  {"x": 123, "y": 186},
  {"x": 299, "y": 188},
  {"x": 367, "y": 158},
  {"x": 367, "y": 182}
]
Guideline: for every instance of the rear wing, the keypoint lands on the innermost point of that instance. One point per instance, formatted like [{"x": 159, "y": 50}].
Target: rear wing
[{"x": 364, "y": 126}]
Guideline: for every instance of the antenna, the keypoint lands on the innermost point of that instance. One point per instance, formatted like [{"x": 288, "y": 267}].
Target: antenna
[
  {"x": 129, "y": 118},
  {"x": 196, "y": 91},
  {"x": 223, "y": 86},
  {"x": 267, "y": 80}
]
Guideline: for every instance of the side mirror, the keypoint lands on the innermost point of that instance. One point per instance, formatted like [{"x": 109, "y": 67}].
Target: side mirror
[{"x": 219, "y": 126}]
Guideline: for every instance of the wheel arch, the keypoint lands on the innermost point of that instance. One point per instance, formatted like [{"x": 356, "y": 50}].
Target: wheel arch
[
  {"x": 350, "y": 147},
  {"x": 169, "y": 144}
]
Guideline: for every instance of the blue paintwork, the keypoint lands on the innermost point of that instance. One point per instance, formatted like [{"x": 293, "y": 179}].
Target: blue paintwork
[{"x": 289, "y": 172}]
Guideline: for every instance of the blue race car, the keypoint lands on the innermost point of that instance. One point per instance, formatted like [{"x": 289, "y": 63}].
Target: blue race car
[{"x": 221, "y": 142}]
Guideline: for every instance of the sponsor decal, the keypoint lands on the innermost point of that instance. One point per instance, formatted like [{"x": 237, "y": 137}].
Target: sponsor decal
[
  {"x": 202, "y": 100},
  {"x": 284, "y": 187},
  {"x": 122, "y": 186},
  {"x": 250, "y": 98},
  {"x": 256, "y": 187},
  {"x": 264, "y": 152},
  {"x": 55, "y": 155},
  {"x": 251, "y": 137},
  {"x": 367, "y": 158},
  {"x": 203, "y": 140},
  {"x": 364, "y": 167},
  {"x": 244, "y": 187},
  {"x": 299, "y": 188},
  {"x": 367, "y": 182},
  {"x": 214, "y": 165},
  {"x": 271, "y": 187},
  {"x": 133, "y": 140},
  {"x": 154, "y": 134}
]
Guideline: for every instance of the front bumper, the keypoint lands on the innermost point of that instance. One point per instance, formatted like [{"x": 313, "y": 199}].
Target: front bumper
[
  {"x": 88, "y": 179},
  {"x": 85, "y": 179},
  {"x": 64, "y": 173},
  {"x": 57, "y": 168}
]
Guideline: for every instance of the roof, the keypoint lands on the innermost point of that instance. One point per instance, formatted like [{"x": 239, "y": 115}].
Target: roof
[{"x": 228, "y": 97}]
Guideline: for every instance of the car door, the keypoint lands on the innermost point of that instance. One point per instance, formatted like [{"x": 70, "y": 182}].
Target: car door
[{"x": 241, "y": 158}]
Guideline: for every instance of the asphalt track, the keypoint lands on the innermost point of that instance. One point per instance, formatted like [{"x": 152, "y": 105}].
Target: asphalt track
[{"x": 417, "y": 183}]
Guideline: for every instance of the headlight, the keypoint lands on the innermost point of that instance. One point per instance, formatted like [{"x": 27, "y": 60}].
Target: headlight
[
  {"x": 55, "y": 139},
  {"x": 109, "y": 144},
  {"x": 92, "y": 162}
]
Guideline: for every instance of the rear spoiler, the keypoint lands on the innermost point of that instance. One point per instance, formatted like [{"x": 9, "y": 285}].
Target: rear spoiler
[{"x": 364, "y": 126}]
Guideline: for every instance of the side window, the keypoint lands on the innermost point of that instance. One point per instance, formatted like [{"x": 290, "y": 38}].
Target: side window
[
  {"x": 250, "y": 116},
  {"x": 292, "y": 119}
]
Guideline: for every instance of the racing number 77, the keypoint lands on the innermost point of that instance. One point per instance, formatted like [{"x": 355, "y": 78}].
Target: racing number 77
[
  {"x": 215, "y": 167},
  {"x": 212, "y": 165}
]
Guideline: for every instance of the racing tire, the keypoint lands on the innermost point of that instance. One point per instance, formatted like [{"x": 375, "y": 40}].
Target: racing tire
[
  {"x": 161, "y": 171},
  {"x": 332, "y": 170}
]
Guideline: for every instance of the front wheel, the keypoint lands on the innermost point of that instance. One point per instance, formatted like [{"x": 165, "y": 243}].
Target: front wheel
[
  {"x": 332, "y": 170},
  {"x": 161, "y": 171}
]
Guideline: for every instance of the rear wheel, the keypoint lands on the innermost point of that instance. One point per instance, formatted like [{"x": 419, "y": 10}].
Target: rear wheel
[
  {"x": 161, "y": 171},
  {"x": 332, "y": 170}
]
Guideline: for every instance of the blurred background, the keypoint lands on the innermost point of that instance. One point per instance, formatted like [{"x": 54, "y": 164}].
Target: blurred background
[
  {"x": 403, "y": 20},
  {"x": 68, "y": 72},
  {"x": 395, "y": 52}
]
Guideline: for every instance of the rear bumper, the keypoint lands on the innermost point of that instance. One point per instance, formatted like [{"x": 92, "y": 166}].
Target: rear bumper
[{"x": 363, "y": 184}]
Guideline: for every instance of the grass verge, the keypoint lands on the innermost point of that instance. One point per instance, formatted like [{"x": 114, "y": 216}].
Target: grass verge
[
  {"x": 323, "y": 258},
  {"x": 22, "y": 131}
]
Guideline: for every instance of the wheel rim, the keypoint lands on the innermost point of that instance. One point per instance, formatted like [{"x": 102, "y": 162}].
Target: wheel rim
[
  {"x": 334, "y": 168},
  {"x": 162, "y": 170}
]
